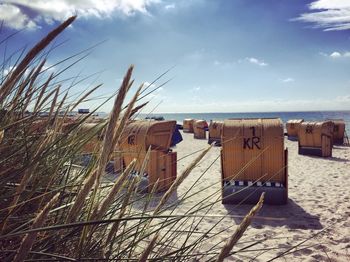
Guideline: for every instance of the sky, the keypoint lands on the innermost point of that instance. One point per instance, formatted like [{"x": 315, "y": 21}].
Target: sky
[{"x": 222, "y": 56}]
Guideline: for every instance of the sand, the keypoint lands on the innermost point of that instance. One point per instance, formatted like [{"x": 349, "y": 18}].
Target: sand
[{"x": 318, "y": 208}]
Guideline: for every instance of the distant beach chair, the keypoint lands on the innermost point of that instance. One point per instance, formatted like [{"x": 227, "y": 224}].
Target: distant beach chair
[
  {"x": 292, "y": 127},
  {"x": 316, "y": 138},
  {"x": 188, "y": 125},
  {"x": 215, "y": 130},
  {"x": 339, "y": 134},
  {"x": 254, "y": 160},
  {"x": 199, "y": 129}
]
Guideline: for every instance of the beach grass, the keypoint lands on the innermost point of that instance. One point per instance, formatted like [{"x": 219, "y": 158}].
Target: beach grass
[{"x": 51, "y": 208}]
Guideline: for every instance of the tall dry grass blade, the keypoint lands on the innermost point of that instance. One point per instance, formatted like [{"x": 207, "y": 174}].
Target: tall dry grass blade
[
  {"x": 225, "y": 251},
  {"x": 7, "y": 86},
  {"x": 180, "y": 179},
  {"x": 21, "y": 187},
  {"x": 80, "y": 199},
  {"x": 29, "y": 238},
  {"x": 53, "y": 103},
  {"x": 1, "y": 135},
  {"x": 37, "y": 72},
  {"x": 28, "y": 98},
  {"x": 98, "y": 214},
  {"x": 32, "y": 76},
  {"x": 107, "y": 144},
  {"x": 148, "y": 249},
  {"x": 137, "y": 109},
  {"x": 85, "y": 96},
  {"x": 141, "y": 228},
  {"x": 120, "y": 127},
  {"x": 59, "y": 125},
  {"x": 114, "y": 230},
  {"x": 20, "y": 89},
  {"x": 145, "y": 161},
  {"x": 42, "y": 92},
  {"x": 46, "y": 98},
  {"x": 94, "y": 178}
]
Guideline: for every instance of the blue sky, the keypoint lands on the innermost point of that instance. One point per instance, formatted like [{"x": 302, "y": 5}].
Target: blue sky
[{"x": 225, "y": 56}]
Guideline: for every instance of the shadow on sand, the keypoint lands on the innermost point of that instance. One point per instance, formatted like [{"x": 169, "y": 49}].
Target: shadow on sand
[
  {"x": 338, "y": 159},
  {"x": 290, "y": 215},
  {"x": 340, "y": 147},
  {"x": 333, "y": 158},
  {"x": 153, "y": 201}
]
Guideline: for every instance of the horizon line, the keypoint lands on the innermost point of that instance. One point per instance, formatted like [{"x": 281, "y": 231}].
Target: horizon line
[{"x": 241, "y": 112}]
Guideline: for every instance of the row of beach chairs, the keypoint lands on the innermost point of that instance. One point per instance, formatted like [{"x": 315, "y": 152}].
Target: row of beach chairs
[
  {"x": 314, "y": 138},
  {"x": 253, "y": 158},
  {"x": 253, "y": 154},
  {"x": 317, "y": 138}
]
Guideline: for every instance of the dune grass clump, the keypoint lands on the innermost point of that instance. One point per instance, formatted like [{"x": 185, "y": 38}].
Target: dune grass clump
[{"x": 53, "y": 209}]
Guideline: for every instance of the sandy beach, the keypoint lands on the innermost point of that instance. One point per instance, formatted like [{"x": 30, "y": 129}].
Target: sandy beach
[
  {"x": 92, "y": 97},
  {"x": 318, "y": 208}
]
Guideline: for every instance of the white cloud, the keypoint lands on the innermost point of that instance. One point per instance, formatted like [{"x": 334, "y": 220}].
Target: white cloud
[
  {"x": 330, "y": 4},
  {"x": 47, "y": 67},
  {"x": 330, "y": 15},
  {"x": 343, "y": 99},
  {"x": 14, "y": 18},
  {"x": 8, "y": 70},
  {"x": 170, "y": 6},
  {"x": 288, "y": 80},
  {"x": 256, "y": 61},
  {"x": 336, "y": 54},
  {"x": 157, "y": 93},
  {"x": 196, "y": 100},
  {"x": 224, "y": 64},
  {"x": 196, "y": 55},
  {"x": 195, "y": 89},
  {"x": 12, "y": 11},
  {"x": 148, "y": 85}
]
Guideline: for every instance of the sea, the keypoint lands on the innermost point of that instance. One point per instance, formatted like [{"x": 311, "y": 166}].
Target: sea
[{"x": 285, "y": 116}]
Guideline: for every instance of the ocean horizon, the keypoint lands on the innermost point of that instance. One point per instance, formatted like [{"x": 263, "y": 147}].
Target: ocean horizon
[{"x": 285, "y": 116}]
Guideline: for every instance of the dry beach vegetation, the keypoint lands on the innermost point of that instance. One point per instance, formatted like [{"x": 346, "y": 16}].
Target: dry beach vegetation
[{"x": 54, "y": 209}]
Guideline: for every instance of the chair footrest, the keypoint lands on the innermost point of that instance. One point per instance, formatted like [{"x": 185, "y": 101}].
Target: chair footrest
[
  {"x": 242, "y": 194},
  {"x": 314, "y": 151}
]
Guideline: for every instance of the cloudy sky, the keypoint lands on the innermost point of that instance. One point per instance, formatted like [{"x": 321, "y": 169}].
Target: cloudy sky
[{"x": 224, "y": 56}]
